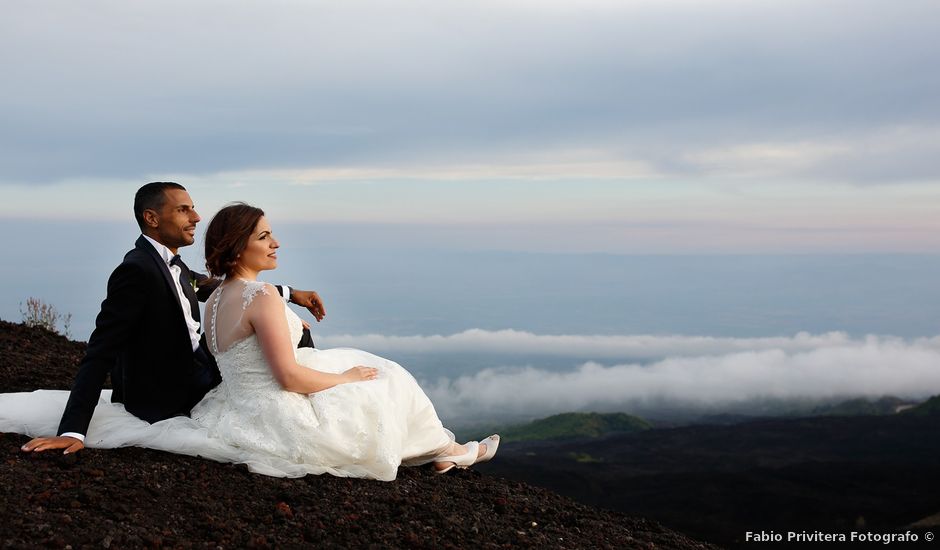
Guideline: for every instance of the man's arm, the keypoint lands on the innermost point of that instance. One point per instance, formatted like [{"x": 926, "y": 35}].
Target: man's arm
[
  {"x": 205, "y": 285},
  {"x": 310, "y": 300},
  {"x": 119, "y": 315}
]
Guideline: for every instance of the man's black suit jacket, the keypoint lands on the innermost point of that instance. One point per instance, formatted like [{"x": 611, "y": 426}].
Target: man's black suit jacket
[{"x": 141, "y": 338}]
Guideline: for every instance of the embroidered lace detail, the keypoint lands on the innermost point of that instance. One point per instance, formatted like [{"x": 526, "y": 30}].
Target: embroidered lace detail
[
  {"x": 252, "y": 289},
  {"x": 225, "y": 301},
  {"x": 215, "y": 315}
]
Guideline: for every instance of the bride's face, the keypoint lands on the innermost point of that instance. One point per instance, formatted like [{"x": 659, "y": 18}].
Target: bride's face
[{"x": 261, "y": 252}]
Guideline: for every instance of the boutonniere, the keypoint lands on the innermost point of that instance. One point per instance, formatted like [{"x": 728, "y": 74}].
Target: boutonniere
[{"x": 194, "y": 283}]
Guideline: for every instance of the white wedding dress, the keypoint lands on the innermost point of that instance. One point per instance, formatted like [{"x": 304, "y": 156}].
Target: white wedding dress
[{"x": 361, "y": 429}]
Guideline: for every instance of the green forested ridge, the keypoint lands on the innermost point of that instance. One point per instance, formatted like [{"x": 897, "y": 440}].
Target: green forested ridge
[
  {"x": 928, "y": 407},
  {"x": 573, "y": 425}
]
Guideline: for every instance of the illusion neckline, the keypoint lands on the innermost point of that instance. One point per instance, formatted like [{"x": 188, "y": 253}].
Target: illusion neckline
[{"x": 215, "y": 315}]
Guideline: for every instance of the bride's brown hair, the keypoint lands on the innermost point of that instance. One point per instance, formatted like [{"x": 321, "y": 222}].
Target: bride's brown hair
[{"x": 227, "y": 235}]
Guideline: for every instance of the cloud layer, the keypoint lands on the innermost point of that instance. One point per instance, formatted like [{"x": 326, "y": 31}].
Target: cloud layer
[
  {"x": 640, "y": 347},
  {"x": 683, "y": 372}
]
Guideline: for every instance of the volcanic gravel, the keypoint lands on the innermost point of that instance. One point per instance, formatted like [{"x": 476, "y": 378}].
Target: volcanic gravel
[{"x": 134, "y": 497}]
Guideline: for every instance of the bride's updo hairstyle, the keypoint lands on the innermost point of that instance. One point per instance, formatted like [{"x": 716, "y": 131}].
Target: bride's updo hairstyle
[{"x": 227, "y": 235}]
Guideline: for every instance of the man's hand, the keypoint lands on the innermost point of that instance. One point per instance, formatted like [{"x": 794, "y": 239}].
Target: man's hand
[
  {"x": 39, "y": 444},
  {"x": 310, "y": 300}
]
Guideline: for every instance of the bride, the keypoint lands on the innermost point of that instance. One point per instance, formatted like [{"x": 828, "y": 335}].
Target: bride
[
  {"x": 347, "y": 410},
  {"x": 280, "y": 410}
]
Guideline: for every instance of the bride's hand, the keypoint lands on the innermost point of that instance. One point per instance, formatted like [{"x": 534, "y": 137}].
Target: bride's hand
[{"x": 360, "y": 374}]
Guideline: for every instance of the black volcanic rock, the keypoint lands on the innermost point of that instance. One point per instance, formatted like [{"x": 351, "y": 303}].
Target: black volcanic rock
[
  {"x": 133, "y": 497},
  {"x": 34, "y": 358},
  {"x": 718, "y": 482}
]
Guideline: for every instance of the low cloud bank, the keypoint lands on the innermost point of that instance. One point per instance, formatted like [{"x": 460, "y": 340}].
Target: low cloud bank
[
  {"x": 512, "y": 342},
  {"x": 690, "y": 372}
]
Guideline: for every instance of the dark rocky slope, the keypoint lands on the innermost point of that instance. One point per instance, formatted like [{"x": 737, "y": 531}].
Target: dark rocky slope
[
  {"x": 143, "y": 498},
  {"x": 834, "y": 474}
]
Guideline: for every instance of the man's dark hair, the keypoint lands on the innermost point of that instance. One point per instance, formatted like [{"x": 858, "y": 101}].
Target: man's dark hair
[{"x": 151, "y": 197}]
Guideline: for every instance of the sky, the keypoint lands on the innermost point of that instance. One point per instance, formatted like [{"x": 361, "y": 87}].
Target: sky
[
  {"x": 661, "y": 126},
  {"x": 487, "y": 190}
]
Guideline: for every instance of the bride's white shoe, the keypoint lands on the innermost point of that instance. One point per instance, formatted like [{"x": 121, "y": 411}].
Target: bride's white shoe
[
  {"x": 461, "y": 461},
  {"x": 492, "y": 443}
]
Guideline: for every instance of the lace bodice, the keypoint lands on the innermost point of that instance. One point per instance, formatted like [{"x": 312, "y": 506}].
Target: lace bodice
[{"x": 240, "y": 358}]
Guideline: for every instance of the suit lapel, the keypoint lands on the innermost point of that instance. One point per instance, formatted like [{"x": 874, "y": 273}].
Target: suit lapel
[
  {"x": 145, "y": 245},
  {"x": 185, "y": 278}
]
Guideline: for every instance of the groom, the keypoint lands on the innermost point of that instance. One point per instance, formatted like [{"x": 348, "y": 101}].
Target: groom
[{"x": 147, "y": 335}]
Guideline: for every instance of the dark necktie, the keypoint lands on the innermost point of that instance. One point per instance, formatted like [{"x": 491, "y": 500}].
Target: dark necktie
[{"x": 186, "y": 284}]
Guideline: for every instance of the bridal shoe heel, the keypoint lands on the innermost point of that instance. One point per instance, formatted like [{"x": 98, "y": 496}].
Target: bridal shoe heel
[
  {"x": 492, "y": 443},
  {"x": 461, "y": 461}
]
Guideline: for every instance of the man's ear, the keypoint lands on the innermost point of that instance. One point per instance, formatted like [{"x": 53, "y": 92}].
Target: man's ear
[{"x": 151, "y": 218}]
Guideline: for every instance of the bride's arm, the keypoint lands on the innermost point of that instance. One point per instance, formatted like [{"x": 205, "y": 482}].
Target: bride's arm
[{"x": 266, "y": 316}]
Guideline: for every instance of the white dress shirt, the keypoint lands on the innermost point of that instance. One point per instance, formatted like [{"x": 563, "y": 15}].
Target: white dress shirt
[{"x": 191, "y": 324}]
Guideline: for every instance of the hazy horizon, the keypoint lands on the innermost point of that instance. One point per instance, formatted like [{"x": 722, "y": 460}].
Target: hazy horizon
[{"x": 578, "y": 331}]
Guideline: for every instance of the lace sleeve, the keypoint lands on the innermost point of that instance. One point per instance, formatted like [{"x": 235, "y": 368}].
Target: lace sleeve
[{"x": 252, "y": 289}]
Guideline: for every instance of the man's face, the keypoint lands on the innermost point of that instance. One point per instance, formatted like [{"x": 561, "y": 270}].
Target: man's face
[{"x": 176, "y": 221}]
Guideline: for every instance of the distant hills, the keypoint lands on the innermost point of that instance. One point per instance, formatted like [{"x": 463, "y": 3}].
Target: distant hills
[
  {"x": 572, "y": 426},
  {"x": 862, "y": 406},
  {"x": 577, "y": 425},
  {"x": 929, "y": 407}
]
